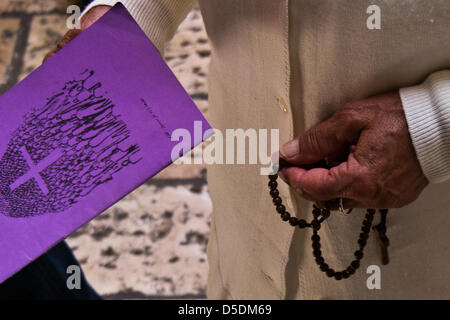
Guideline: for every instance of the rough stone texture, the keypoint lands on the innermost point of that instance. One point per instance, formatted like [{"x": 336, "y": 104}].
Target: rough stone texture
[
  {"x": 8, "y": 35},
  {"x": 33, "y": 6},
  {"x": 153, "y": 242},
  {"x": 45, "y": 31},
  {"x": 188, "y": 55}
]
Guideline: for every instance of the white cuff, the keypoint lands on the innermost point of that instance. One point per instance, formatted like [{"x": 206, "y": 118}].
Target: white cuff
[
  {"x": 427, "y": 109},
  {"x": 158, "y": 18}
]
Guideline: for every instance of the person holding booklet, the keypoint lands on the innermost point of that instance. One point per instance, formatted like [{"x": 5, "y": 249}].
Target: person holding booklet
[{"x": 364, "y": 89}]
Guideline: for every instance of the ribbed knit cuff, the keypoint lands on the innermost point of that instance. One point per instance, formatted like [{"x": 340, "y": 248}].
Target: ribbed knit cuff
[
  {"x": 159, "y": 19},
  {"x": 427, "y": 109}
]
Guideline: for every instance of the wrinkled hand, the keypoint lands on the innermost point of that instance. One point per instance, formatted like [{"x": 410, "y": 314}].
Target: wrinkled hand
[
  {"x": 88, "y": 19},
  {"x": 372, "y": 159}
]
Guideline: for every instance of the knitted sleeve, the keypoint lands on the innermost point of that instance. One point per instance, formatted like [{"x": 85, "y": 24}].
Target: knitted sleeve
[
  {"x": 427, "y": 109},
  {"x": 158, "y": 18}
]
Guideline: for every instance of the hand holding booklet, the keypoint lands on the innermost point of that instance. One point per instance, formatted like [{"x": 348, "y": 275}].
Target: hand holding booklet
[{"x": 86, "y": 128}]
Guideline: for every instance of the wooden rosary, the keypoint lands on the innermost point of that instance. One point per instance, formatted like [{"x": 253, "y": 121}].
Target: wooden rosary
[{"x": 320, "y": 215}]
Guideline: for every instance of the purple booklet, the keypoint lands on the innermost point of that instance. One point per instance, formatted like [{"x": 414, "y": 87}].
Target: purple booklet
[{"x": 83, "y": 130}]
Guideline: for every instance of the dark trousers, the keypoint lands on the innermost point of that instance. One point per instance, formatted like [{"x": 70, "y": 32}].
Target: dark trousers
[{"x": 46, "y": 279}]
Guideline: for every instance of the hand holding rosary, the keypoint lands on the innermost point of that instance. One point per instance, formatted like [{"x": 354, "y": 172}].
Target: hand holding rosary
[{"x": 320, "y": 215}]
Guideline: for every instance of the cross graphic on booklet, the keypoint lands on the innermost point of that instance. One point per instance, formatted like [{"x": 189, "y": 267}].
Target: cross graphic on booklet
[{"x": 35, "y": 170}]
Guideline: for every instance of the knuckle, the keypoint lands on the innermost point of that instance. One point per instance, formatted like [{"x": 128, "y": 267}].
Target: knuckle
[
  {"x": 367, "y": 187},
  {"x": 353, "y": 111},
  {"x": 333, "y": 182},
  {"x": 349, "y": 120},
  {"x": 350, "y": 109},
  {"x": 312, "y": 140}
]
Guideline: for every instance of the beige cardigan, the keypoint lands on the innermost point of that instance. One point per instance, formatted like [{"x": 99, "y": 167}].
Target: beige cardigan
[{"x": 316, "y": 55}]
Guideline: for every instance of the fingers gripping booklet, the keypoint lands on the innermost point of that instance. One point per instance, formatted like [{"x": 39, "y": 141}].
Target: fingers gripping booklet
[{"x": 87, "y": 127}]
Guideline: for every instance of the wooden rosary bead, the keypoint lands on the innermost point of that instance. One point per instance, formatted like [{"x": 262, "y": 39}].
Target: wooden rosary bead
[
  {"x": 317, "y": 253},
  {"x": 345, "y": 274},
  {"x": 316, "y": 212},
  {"x": 281, "y": 208},
  {"x": 320, "y": 260},
  {"x": 324, "y": 267},
  {"x": 359, "y": 254},
  {"x": 285, "y": 216},
  {"x": 330, "y": 273},
  {"x": 273, "y": 184},
  {"x": 293, "y": 221},
  {"x": 355, "y": 264},
  {"x": 338, "y": 275},
  {"x": 363, "y": 236},
  {"x": 350, "y": 270},
  {"x": 315, "y": 224},
  {"x": 316, "y": 245},
  {"x": 315, "y": 237},
  {"x": 367, "y": 224},
  {"x": 273, "y": 177},
  {"x": 277, "y": 201},
  {"x": 362, "y": 243},
  {"x": 274, "y": 193},
  {"x": 365, "y": 229},
  {"x": 302, "y": 223},
  {"x": 325, "y": 213}
]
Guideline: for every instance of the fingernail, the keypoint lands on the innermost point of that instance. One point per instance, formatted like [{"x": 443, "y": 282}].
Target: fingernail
[{"x": 289, "y": 149}]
